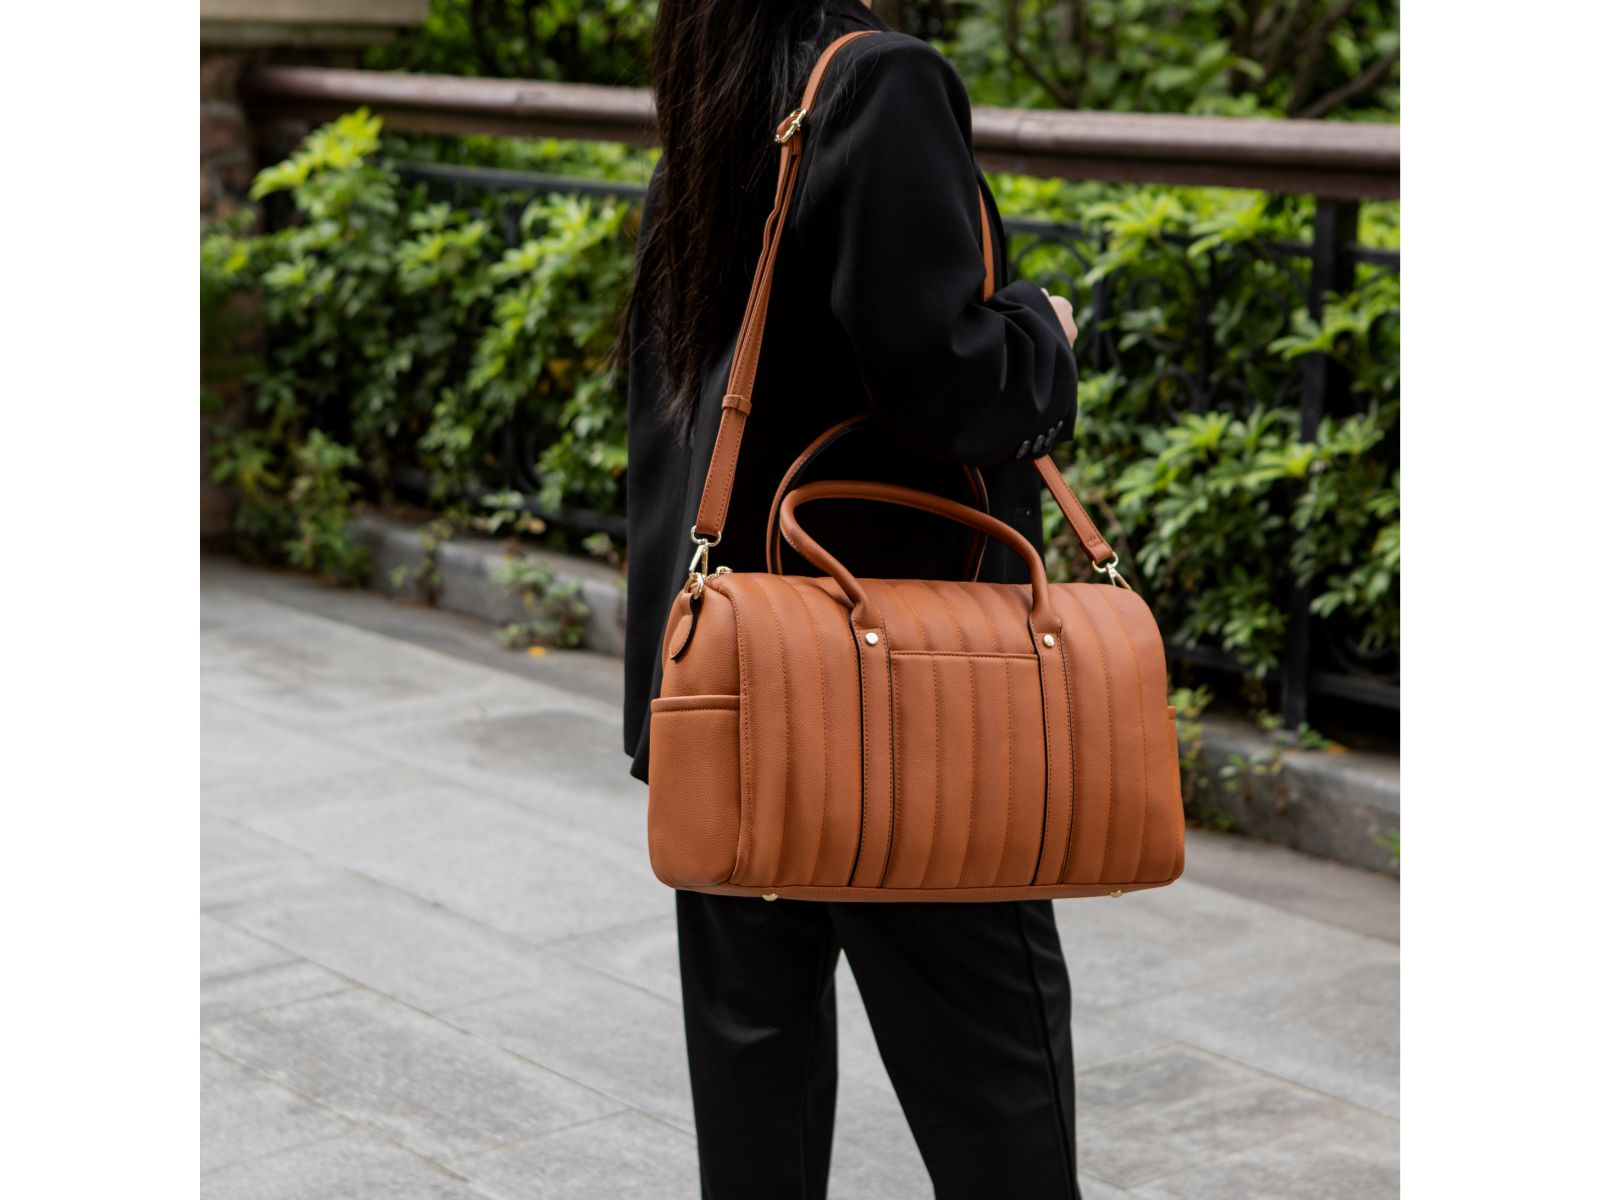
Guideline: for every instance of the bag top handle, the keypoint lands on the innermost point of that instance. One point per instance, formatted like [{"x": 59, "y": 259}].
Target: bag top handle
[{"x": 712, "y": 514}]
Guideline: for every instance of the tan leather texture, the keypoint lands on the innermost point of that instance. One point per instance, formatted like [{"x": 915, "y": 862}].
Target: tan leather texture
[{"x": 838, "y": 738}]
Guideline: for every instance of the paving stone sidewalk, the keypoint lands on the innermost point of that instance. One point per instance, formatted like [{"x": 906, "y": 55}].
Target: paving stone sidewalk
[{"x": 435, "y": 963}]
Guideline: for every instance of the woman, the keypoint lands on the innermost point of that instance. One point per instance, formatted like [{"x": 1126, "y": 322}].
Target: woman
[{"x": 876, "y": 309}]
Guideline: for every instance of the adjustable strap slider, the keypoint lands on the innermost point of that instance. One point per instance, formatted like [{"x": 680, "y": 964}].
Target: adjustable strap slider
[{"x": 790, "y": 125}]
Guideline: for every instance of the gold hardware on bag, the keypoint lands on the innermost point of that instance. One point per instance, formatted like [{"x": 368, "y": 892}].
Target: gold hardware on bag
[
  {"x": 770, "y": 896},
  {"x": 700, "y": 562},
  {"x": 1049, "y": 640},
  {"x": 871, "y": 639},
  {"x": 1110, "y": 569},
  {"x": 1117, "y": 895},
  {"x": 793, "y": 127}
]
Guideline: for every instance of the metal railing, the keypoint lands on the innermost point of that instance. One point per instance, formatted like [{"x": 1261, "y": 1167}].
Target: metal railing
[
  {"x": 1338, "y": 164},
  {"x": 1316, "y": 158}
]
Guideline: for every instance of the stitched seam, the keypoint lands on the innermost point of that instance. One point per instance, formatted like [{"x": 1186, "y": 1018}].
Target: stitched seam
[
  {"x": 1077, "y": 516},
  {"x": 972, "y": 712},
  {"x": 972, "y": 693},
  {"x": 866, "y": 757},
  {"x": 894, "y": 773},
  {"x": 1144, "y": 741},
  {"x": 1072, "y": 761},
  {"x": 963, "y": 654},
  {"x": 1111, "y": 731},
  {"x": 1005, "y": 826},
  {"x": 746, "y": 798},
  {"x": 822, "y": 706},
  {"x": 788, "y": 754},
  {"x": 765, "y": 284},
  {"x": 1044, "y": 711},
  {"x": 933, "y": 728},
  {"x": 972, "y": 772},
  {"x": 1004, "y": 891},
  {"x": 735, "y": 428}
]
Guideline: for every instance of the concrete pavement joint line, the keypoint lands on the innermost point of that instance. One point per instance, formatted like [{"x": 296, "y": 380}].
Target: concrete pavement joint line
[
  {"x": 602, "y": 931},
  {"x": 1321, "y": 921},
  {"x": 277, "y": 1008},
  {"x": 511, "y": 807},
  {"x": 253, "y": 1159},
  {"x": 1223, "y": 1088},
  {"x": 465, "y": 637},
  {"x": 1193, "y": 985},
  {"x": 433, "y": 773},
  {"x": 519, "y": 1143},
  {"x": 1255, "y": 1147},
  {"x": 247, "y": 972},
  {"x": 1190, "y": 985},
  {"x": 1258, "y": 1072},
  {"x": 1243, "y": 1148},
  {"x": 297, "y": 1093},
  {"x": 438, "y": 1018},
  {"x": 599, "y": 1091},
  {"x": 361, "y": 632},
  {"x": 361, "y": 1130},
  {"x": 220, "y": 913}
]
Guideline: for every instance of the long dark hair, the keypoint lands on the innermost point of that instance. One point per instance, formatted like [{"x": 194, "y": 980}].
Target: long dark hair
[{"x": 724, "y": 72}]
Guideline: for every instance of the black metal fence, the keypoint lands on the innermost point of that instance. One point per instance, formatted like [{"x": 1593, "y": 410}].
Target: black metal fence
[{"x": 1316, "y": 660}]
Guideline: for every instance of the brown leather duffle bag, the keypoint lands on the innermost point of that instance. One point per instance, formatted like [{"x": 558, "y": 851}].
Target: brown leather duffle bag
[{"x": 835, "y": 738}]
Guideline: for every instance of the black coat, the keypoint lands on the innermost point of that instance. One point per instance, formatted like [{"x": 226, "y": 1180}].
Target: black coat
[{"x": 875, "y": 308}]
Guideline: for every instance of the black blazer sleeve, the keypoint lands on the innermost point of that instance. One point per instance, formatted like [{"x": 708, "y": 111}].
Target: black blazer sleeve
[{"x": 890, "y": 199}]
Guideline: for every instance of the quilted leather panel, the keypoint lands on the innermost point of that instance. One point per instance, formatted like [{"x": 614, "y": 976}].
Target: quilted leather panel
[
  {"x": 969, "y": 787},
  {"x": 945, "y": 780}
]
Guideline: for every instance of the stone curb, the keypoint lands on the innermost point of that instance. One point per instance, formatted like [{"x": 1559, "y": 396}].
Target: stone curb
[
  {"x": 1332, "y": 804},
  {"x": 466, "y": 582}
]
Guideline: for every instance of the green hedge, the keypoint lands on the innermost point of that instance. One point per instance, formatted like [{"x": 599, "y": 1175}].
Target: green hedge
[
  {"x": 1309, "y": 58},
  {"x": 406, "y": 332},
  {"x": 415, "y": 331}
]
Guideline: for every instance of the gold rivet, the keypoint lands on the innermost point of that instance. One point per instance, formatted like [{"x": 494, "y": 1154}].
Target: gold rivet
[
  {"x": 1049, "y": 640},
  {"x": 774, "y": 896},
  {"x": 871, "y": 639},
  {"x": 1117, "y": 895}
]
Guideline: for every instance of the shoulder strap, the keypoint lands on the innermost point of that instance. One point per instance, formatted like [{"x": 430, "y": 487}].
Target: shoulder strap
[{"x": 713, "y": 511}]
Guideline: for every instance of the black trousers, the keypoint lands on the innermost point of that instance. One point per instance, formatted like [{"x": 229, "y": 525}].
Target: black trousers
[{"x": 971, "y": 1010}]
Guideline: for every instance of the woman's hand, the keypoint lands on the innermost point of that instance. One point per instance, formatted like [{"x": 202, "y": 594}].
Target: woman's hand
[{"x": 1063, "y": 309}]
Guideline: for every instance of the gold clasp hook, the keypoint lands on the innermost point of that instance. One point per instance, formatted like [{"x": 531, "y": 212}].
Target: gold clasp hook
[
  {"x": 792, "y": 125},
  {"x": 700, "y": 562},
  {"x": 1110, "y": 569}
]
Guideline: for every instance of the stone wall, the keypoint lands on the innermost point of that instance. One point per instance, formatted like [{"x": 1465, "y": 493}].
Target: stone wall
[
  {"x": 227, "y": 155},
  {"x": 234, "y": 34}
]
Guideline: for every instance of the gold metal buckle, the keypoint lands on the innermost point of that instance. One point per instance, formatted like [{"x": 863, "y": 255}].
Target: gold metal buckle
[
  {"x": 794, "y": 119},
  {"x": 1110, "y": 569}
]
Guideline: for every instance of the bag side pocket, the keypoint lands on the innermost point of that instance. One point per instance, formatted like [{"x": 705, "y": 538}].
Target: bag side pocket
[{"x": 694, "y": 789}]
